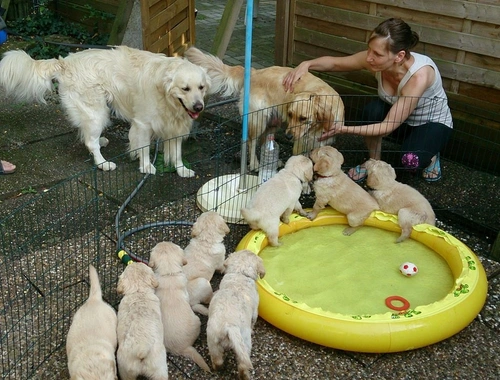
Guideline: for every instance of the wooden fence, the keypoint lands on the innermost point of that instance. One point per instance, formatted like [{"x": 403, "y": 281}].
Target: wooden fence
[
  {"x": 167, "y": 25},
  {"x": 462, "y": 37}
]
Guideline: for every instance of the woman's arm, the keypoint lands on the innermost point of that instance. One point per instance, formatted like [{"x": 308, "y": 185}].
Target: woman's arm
[
  {"x": 349, "y": 63},
  {"x": 398, "y": 113}
]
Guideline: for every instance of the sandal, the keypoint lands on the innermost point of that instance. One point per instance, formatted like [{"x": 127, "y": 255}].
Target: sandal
[
  {"x": 359, "y": 172},
  {"x": 5, "y": 171},
  {"x": 432, "y": 173}
]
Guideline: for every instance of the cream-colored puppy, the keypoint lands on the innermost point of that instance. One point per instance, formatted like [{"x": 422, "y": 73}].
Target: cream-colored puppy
[
  {"x": 91, "y": 341},
  {"x": 394, "y": 197},
  {"x": 333, "y": 187},
  {"x": 205, "y": 254},
  {"x": 140, "y": 330},
  {"x": 181, "y": 326},
  {"x": 278, "y": 197},
  {"x": 233, "y": 311}
]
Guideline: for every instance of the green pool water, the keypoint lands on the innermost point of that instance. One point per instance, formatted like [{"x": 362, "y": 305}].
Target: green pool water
[{"x": 321, "y": 267}]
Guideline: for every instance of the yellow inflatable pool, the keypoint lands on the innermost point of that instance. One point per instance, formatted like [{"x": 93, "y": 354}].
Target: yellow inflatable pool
[{"x": 400, "y": 328}]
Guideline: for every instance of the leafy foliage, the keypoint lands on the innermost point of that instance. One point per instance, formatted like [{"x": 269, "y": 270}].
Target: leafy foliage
[{"x": 43, "y": 22}]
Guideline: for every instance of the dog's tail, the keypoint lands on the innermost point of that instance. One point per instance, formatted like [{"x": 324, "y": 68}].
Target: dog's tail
[
  {"x": 251, "y": 217},
  {"x": 95, "y": 286},
  {"x": 191, "y": 353},
  {"x": 240, "y": 350},
  {"x": 25, "y": 78},
  {"x": 225, "y": 79}
]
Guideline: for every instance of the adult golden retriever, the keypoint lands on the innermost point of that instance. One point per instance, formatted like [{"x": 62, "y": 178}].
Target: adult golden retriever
[
  {"x": 309, "y": 110},
  {"x": 160, "y": 96}
]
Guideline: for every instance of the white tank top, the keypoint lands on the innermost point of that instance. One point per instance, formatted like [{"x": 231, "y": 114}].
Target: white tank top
[{"x": 432, "y": 106}]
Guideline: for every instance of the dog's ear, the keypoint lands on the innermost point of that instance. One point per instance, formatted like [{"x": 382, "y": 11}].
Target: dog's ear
[
  {"x": 322, "y": 166},
  {"x": 153, "y": 281},
  {"x": 196, "y": 229},
  {"x": 120, "y": 289},
  {"x": 152, "y": 262}
]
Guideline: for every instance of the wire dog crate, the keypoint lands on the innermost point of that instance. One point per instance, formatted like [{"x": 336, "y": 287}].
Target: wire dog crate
[{"x": 48, "y": 243}]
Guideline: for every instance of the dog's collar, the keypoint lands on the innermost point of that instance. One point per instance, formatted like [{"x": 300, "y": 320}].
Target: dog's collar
[
  {"x": 171, "y": 274},
  {"x": 323, "y": 176}
]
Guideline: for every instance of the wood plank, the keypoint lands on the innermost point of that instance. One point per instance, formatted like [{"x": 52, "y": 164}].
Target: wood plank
[
  {"x": 120, "y": 24},
  {"x": 466, "y": 10},
  {"x": 462, "y": 41}
]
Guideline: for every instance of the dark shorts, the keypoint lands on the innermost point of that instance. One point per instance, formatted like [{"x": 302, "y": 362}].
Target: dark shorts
[{"x": 424, "y": 141}]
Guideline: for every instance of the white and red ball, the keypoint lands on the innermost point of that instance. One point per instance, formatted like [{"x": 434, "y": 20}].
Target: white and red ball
[{"x": 408, "y": 269}]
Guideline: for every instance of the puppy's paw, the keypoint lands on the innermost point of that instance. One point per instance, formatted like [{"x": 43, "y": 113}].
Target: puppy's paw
[
  {"x": 306, "y": 188},
  {"x": 148, "y": 169},
  {"x": 184, "y": 172},
  {"x": 107, "y": 166},
  {"x": 348, "y": 231}
]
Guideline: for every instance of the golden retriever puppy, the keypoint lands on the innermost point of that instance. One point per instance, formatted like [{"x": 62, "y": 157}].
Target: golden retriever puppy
[
  {"x": 397, "y": 198},
  {"x": 181, "y": 326},
  {"x": 140, "y": 329},
  {"x": 277, "y": 198},
  {"x": 91, "y": 341},
  {"x": 205, "y": 254},
  {"x": 233, "y": 311},
  {"x": 333, "y": 187},
  {"x": 160, "y": 96},
  {"x": 318, "y": 105}
]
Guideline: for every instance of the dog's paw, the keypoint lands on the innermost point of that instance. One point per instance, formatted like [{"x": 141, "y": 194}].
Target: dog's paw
[
  {"x": 306, "y": 188},
  {"x": 107, "y": 166},
  {"x": 103, "y": 141},
  {"x": 148, "y": 169},
  {"x": 185, "y": 172}
]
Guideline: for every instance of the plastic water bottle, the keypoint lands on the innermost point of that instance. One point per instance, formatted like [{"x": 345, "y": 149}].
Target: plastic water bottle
[{"x": 269, "y": 157}]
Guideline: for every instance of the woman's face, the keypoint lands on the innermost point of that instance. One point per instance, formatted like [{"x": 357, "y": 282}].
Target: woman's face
[{"x": 378, "y": 55}]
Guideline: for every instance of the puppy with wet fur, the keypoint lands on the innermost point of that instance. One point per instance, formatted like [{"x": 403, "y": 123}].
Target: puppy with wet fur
[
  {"x": 205, "y": 254},
  {"x": 140, "y": 329},
  {"x": 181, "y": 326},
  {"x": 277, "y": 198},
  {"x": 397, "y": 198},
  {"x": 233, "y": 311},
  {"x": 333, "y": 187},
  {"x": 91, "y": 341}
]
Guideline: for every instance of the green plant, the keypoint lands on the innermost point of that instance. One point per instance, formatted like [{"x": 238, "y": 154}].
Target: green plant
[{"x": 44, "y": 22}]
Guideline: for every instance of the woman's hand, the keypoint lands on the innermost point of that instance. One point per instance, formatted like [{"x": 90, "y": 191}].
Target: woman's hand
[
  {"x": 335, "y": 129},
  {"x": 295, "y": 75}
]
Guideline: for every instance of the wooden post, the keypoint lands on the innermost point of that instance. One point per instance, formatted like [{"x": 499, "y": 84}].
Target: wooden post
[
  {"x": 495, "y": 249},
  {"x": 121, "y": 21},
  {"x": 5, "y": 7},
  {"x": 226, "y": 27}
]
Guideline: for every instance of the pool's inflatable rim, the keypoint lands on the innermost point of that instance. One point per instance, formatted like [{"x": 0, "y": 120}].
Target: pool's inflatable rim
[{"x": 379, "y": 333}]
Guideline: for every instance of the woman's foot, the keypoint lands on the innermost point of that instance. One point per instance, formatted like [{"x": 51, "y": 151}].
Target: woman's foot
[
  {"x": 432, "y": 173},
  {"x": 6, "y": 167},
  {"x": 358, "y": 173}
]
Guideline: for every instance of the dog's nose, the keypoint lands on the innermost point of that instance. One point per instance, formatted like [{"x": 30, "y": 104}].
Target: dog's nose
[
  {"x": 198, "y": 107},
  {"x": 289, "y": 136}
]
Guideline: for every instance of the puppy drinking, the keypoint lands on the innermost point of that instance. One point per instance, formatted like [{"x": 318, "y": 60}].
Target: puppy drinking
[
  {"x": 91, "y": 341},
  {"x": 277, "y": 198},
  {"x": 233, "y": 311},
  {"x": 394, "y": 197},
  {"x": 181, "y": 326},
  {"x": 335, "y": 188},
  {"x": 205, "y": 254},
  {"x": 140, "y": 329}
]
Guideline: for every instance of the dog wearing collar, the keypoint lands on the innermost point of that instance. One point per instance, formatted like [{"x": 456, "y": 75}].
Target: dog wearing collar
[
  {"x": 233, "y": 311},
  {"x": 334, "y": 188},
  {"x": 277, "y": 198},
  {"x": 181, "y": 326}
]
